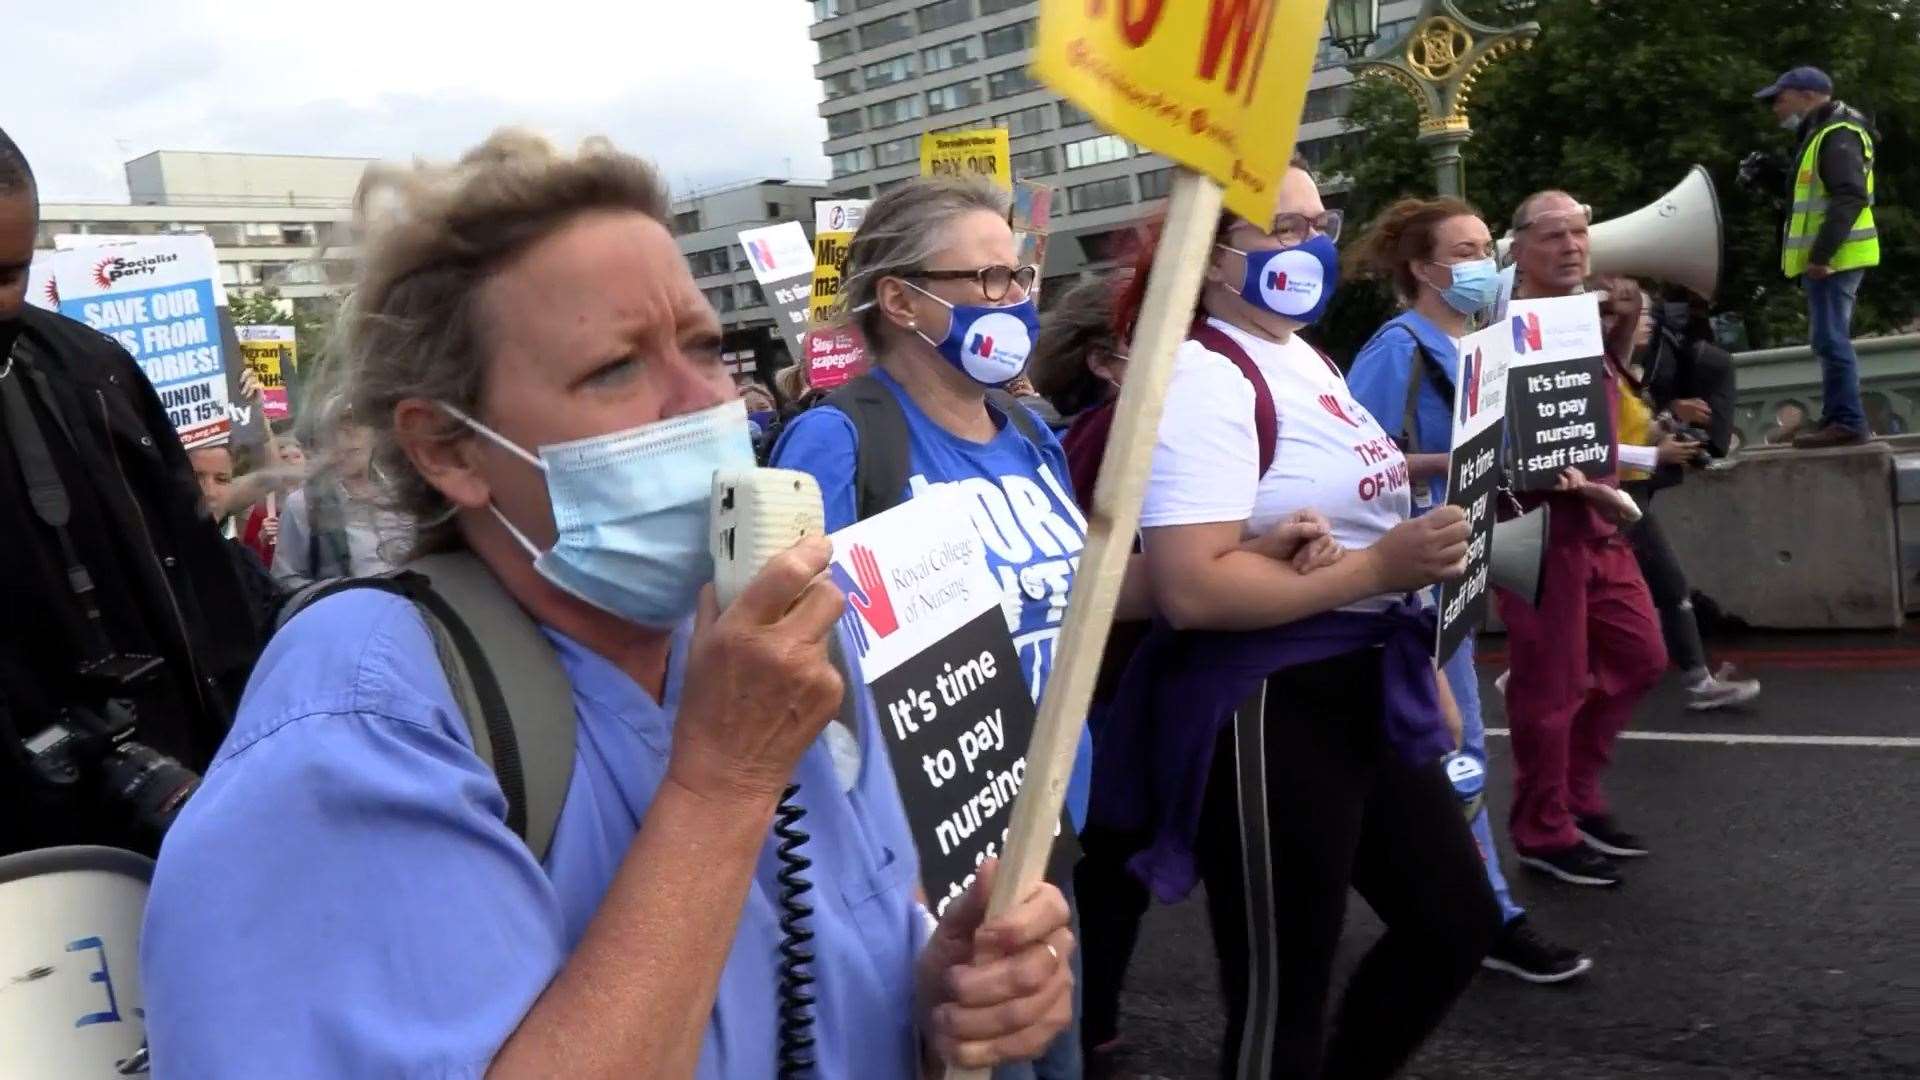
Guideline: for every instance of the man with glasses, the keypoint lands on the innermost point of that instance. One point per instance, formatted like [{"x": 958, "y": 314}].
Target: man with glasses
[{"x": 1583, "y": 659}]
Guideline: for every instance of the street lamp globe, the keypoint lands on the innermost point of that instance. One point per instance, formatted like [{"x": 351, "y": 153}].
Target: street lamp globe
[{"x": 1353, "y": 25}]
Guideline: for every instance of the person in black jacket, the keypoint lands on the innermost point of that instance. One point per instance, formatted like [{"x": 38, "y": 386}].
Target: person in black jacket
[{"x": 162, "y": 582}]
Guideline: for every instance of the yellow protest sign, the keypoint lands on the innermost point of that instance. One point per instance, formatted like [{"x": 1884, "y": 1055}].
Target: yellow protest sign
[
  {"x": 1216, "y": 85},
  {"x": 272, "y": 353},
  {"x": 834, "y": 223},
  {"x": 979, "y": 152}
]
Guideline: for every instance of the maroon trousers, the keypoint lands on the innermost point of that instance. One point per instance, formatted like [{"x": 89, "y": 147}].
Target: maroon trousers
[{"x": 1579, "y": 664}]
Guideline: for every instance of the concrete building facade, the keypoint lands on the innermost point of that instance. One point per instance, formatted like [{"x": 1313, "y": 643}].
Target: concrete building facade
[
  {"x": 707, "y": 225},
  {"x": 277, "y": 220},
  {"x": 892, "y": 70}
]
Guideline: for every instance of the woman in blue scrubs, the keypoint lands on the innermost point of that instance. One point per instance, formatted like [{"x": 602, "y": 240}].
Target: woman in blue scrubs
[{"x": 344, "y": 896}]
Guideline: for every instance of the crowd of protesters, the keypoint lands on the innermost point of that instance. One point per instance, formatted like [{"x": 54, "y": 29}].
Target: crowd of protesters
[{"x": 527, "y": 379}]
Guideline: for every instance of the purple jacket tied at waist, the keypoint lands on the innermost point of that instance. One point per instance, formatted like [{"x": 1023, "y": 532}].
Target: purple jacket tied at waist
[{"x": 1181, "y": 688}]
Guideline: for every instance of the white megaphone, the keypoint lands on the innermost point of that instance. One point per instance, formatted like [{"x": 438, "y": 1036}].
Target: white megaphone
[
  {"x": 72, "y": 1004},
  {"x": 1676, "y": 238},
  {"x": 1518, "y": 556}
]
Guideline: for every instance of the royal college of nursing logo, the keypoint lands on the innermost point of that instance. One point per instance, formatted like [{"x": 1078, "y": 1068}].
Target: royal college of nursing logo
[
  {"x": 1470, "y": 370},
  {"x": 1292, "y": 281},
  {"x": 1526, "y": 333},
  {"x": 762, "y": 253},
  {"x": 869, "y": 604}
]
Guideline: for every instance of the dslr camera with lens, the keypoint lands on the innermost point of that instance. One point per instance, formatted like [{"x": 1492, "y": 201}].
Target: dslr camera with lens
[{"x": 92, "y": 742}]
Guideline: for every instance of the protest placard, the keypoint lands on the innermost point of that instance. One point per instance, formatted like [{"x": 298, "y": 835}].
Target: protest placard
[
  {"x": 834, "y": 223},
  {"x": 1559, "y": 412},
  {"x": 272, "y": 353},
  {"x": 782, "y": 263},
  {"x": 157, "y": 298},
  {"x": 42, "y": 292},
  {"x": 924, "y": 617},
  {"x": 979, "y": 152},
  {"x": 1473, "y": 474},
  {"x": 832, "y": 355},
  {"x": 247, "y": 422},
  {"x": 1216, "y": 85},
  {"x": 1032, "y": 218}
]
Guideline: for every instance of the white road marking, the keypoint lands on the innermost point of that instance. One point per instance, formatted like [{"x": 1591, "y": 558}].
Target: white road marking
[{"x": 1897, "y": 742}]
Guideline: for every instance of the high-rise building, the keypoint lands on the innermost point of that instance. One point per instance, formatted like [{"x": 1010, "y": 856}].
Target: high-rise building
[{"x": 892, "y": 70}]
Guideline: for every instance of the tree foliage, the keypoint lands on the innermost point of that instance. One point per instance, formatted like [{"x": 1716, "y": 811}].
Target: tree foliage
[{"x": 1618, "y": 98}]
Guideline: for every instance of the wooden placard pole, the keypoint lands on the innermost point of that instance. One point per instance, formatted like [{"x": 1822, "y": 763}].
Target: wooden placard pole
[{"x": 1173, "y": 286}]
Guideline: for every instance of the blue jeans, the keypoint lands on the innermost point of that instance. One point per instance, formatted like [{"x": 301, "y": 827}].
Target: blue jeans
[
  {"x": 1830, "y": 323},
  {"x": 1466, "y": 693}
]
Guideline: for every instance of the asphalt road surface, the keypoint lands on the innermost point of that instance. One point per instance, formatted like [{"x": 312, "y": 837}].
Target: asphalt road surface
[{"x": 1773, "y": 934}]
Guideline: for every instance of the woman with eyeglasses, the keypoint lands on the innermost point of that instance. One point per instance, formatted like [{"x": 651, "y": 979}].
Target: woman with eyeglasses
[
  {"x": 1281, "y": 732},
  {"x": 949, "y": 320},
  {"x": 1439, "y": 258}
]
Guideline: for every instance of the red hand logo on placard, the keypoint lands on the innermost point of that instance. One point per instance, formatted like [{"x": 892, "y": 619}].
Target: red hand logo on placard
[{"x": 868, "y": 594}]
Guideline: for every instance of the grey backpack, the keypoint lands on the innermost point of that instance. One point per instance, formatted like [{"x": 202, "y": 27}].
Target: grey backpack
[{"x": 512, "y": 691}]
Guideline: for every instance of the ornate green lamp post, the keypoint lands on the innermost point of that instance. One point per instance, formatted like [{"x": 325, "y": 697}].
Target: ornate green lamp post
[{"x": 1437, "y": 63}]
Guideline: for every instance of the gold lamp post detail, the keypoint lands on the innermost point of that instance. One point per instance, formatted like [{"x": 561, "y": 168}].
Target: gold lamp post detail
[{"x": 1436, "y": 64}]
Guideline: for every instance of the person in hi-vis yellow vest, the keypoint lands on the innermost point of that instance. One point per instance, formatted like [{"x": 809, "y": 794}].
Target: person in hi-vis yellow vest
[{"x": 1830, "y": 237}]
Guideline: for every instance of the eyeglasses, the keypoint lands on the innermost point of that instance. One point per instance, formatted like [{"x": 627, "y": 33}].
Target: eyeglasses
[
  {"x": 1293, "y": 230},
  {"x": 994, "y": 280}
]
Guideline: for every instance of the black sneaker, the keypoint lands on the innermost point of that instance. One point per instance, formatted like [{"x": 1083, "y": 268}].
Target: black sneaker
[
  {"x": 1605, "y": 835},
  {"x": 1523, "y": 954},
  {"x": 1577, "y": 865}
]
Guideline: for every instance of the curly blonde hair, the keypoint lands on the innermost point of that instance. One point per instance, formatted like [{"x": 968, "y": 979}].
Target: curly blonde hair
[{"x": 430, "y": 237}]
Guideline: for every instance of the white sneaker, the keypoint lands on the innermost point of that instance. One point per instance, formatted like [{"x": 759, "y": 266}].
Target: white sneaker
[{"x": 1721, "y": 690}]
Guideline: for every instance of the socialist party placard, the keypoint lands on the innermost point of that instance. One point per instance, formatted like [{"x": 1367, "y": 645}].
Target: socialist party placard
[
  {"x": 924, "y": 616},
  {"x": 159, "y": 298},
  {"x": 1558, "y": 390},
  {"x": 782, "y": 263},
  {"x": 1473, "y": 474}
]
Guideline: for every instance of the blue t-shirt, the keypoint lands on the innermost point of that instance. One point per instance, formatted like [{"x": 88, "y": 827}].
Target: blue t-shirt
[
  {"x": 344, "y": 898},
  {"x": 1023, "y": 508},
  {"x": 1379, "y": 377}
]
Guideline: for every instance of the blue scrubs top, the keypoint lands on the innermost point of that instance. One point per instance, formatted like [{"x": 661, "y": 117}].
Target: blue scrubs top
[
  {"x": 343, "y": 896},
  {"x": 1379, "y": 377}
]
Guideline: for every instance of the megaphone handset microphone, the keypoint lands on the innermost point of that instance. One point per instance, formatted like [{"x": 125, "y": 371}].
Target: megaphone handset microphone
[{"x": 754, "y": 515}]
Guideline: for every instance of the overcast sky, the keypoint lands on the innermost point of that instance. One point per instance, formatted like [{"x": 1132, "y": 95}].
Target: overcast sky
[{"x": 711, "y": 90}]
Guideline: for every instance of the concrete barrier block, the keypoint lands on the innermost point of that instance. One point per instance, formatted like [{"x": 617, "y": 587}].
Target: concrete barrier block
[{"x": 1793, "y": 539}]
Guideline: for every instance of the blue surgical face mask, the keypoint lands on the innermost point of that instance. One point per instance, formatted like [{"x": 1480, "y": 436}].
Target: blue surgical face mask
[
  {"x": 1476, "y": 285},
  {"x": 989, "y": 344},
  {"x": 1296, "y": 283},
  {"x": 630, "y": 510}
]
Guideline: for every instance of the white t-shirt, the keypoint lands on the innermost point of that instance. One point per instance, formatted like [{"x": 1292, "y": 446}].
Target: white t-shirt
[{"x": 1330, "y": 454}]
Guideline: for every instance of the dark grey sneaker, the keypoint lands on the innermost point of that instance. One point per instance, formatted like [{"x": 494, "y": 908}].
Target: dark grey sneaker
[
  {"x": 1577, "y": 865},
  {"x": 1605, "y": 835},
  {"x": 1523, "y": 954}
]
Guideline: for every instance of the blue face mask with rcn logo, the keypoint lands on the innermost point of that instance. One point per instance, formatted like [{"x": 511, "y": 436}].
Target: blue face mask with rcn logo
[
  {"x": 1296, "y": 283},
  {"x": 990, "y": 345}
]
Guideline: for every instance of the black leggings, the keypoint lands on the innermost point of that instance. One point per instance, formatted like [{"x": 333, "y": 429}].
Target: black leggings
[
  {"x": 1305, "y": 798},
  {"x": 1667, "y": 581}
]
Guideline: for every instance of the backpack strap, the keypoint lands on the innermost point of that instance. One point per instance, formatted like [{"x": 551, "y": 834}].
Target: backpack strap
[
  {"x": 882, "y": 457},
  {"x": 1023, "y": 419},
  {"x": 505, "y": 676},
  {"x": 1266, "y": 418},
  {"x": 1427, "y": 368},
  {"x": 880, "y": 462}
]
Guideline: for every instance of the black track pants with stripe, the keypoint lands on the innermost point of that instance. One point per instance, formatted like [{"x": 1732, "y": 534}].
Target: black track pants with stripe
[{"x": 1305, "y": 798}]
